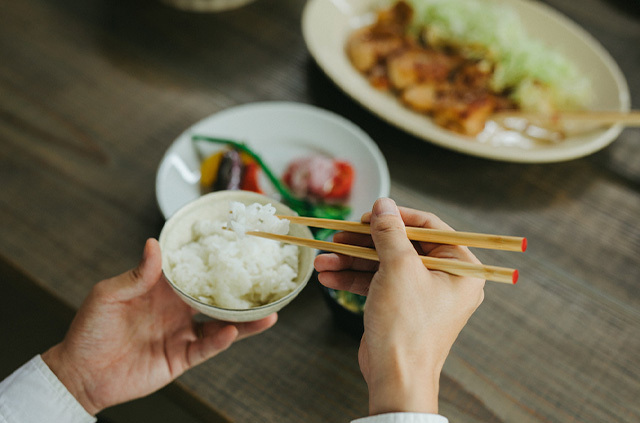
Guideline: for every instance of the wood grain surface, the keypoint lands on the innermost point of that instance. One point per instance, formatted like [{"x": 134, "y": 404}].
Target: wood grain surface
[{"x": 92, "y": 92}]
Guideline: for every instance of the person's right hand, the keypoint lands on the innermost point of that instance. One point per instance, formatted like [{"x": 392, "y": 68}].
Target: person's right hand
[{"x": 412, "y": 315}]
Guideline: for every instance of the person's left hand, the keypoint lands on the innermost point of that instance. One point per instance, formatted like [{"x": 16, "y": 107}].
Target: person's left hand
[{"x": 133, "y": 335}]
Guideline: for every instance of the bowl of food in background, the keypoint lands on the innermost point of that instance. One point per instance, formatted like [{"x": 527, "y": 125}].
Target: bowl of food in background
[
  {"x": 347, "y": 309},
  {"x": 224, "y": 273},
  {"x": 207, "y": 5}
]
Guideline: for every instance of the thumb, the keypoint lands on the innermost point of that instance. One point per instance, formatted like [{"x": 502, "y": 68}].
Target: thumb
[
  {"x": 141, "y": 279},
  {"x": 388, "y": 231}
]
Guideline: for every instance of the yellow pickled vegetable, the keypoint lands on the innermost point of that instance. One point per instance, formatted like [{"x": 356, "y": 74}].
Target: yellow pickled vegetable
[{"x": 209, "y": 170}]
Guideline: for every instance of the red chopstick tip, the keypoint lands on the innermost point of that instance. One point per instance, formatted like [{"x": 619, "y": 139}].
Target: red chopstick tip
[
  {"x": 514, "y": 278},
  {"x": 524, "y": 244}
]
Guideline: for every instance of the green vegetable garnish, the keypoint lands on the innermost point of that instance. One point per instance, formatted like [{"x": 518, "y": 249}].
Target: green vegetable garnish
[
  {"x": 537, "y": 76},
  {"x": 302, "y": 206}
]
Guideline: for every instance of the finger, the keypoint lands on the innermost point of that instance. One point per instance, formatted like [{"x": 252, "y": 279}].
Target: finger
[
  {"x": 355, "y": 282},
  {"x": 418, "y": 219},
  {"x": 332, "y": 262},
  {"x": 247, "y": 329},
  {"x": 421, "y": 219},
  {"x": 388, "y": 233},
  {"x": 329, "y": 262},
  {"x": 454, "y": 252},
  {"x": 363, "y": 240},
  {"x": 139, "y": 280},
  {"x": 215, "y": 336},
  {"x": 211, "y": 338}
]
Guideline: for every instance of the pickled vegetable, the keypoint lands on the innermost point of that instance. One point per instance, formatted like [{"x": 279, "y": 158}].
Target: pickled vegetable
[
  {"x": 302, "y": 205},
  {"x": 320, "y": 178},
  {"x": 229, "y": 169},
  {"x": 229, "y": 174}
]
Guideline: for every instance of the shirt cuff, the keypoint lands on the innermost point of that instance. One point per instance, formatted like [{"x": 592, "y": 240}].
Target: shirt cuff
[
  {"x": 403, "y": 418},
  {"x": 33, "y": 393}
]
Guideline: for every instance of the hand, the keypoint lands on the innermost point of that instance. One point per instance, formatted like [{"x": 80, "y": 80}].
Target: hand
[
  {"x": 412, "y": 315},
  {"x": 133, "y": 335}
]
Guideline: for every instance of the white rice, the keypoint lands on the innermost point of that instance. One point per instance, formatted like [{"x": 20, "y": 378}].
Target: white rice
[
  {"x": 227, "y": 269},
  {"x": 255, "y": 217}
]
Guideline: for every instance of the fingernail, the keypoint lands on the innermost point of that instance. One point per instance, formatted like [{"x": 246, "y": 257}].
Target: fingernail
[
  {"x": 385, "y": 206},
  {"x": 145, "y": 253}
]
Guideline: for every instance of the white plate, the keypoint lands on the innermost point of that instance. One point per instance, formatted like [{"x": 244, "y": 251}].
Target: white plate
[
  {"x": 326, "y": 24},
  {"x": 278, "y": 132}
]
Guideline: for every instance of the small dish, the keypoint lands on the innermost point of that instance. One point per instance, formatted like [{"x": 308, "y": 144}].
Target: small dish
[
  {"x": 347, "y": 309},
  {"x": 177, "y": 231},
  {"x": 279, "y": 132}
]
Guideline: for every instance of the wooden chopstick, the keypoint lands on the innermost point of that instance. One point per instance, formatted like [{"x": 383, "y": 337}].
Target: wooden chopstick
[
  {"x": 454, "y": 267},
  {"x": 630, "y": 118},
  {"x": 470, "y": 239}
]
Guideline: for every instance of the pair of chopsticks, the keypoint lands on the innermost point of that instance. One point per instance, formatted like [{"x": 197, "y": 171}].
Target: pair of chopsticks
[
  {"x": 601, "y": 117},
  {"x": 459, "y": 268}
]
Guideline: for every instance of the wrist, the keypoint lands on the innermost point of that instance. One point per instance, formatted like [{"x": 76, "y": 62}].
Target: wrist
[
  {"x": 401, "y": 388},
  {"x": 69, "y": 377}
]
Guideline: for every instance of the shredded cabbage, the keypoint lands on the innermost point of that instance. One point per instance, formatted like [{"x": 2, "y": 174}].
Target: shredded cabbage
[{"x": 537, "y": 77}]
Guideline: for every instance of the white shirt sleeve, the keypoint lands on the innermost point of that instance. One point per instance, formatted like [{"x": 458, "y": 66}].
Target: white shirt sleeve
[
  {"x": 403, "y": 418},
  {"x": 33, "y": 394}
]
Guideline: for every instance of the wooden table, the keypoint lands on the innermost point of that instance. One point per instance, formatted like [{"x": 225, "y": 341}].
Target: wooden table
[{"x": 92, "y": 92}]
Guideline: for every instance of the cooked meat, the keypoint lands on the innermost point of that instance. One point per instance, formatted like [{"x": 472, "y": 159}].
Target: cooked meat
[
  {"x": 369, "y": 45},
  {"x": 418, "y": 65},
  {"x": 464, "y": 111},
  {"x": 421, "y": 97},
  {"x": 442, "y": 83},
  {"x": 367, "y": 48}
]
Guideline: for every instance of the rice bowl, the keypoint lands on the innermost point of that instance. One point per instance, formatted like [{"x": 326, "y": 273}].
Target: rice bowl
[{"x": 226, "y": 275}]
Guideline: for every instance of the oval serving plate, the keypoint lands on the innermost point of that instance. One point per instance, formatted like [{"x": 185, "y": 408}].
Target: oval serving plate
[{"x": 326, "y": 25}]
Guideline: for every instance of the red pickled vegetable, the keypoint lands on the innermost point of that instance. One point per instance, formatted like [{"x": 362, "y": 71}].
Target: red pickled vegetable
[
  {"x": 320, "y": 178},
  {"x": 342, "y": 180},
  {"x": 250, "y": 178}
]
